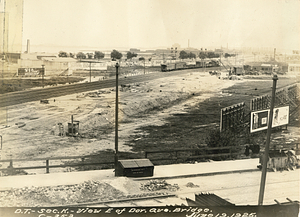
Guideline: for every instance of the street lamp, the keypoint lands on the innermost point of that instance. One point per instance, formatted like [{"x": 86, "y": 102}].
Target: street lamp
[{"x": 116, "y": 121}]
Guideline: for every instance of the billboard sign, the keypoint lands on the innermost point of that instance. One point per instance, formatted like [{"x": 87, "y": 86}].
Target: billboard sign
[
  {"x": 31, "y": 71},
  {"x": 260, "y": 119}
]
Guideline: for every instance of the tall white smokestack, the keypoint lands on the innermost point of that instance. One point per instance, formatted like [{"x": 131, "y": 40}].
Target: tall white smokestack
[{"x": 28, "y": 46}]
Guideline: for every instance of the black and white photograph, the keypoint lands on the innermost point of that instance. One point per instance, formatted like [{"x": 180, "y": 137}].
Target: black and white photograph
[{"x": 149, "y": 108}]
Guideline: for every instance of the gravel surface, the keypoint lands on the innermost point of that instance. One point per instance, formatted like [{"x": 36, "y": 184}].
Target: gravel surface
[
  {"x": 59, "y": 195},
  {"x": 89, "y": 191}
]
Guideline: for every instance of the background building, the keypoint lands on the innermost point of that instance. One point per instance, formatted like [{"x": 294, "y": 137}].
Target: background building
[
  {"x": 11, "y": 26},
  {"x": 294, "y": 69}
]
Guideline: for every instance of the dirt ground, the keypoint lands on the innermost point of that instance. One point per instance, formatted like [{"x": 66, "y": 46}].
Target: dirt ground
[
  {"x": 167, "y": 113},
  {"x": 33, "y": 130},
  {"x": 33, "y": 127}
]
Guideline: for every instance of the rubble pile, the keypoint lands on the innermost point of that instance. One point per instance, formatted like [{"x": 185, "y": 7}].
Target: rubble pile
[
  {"x": 191, "y": 185},
  {"x": 85, "y": 192},
  {"x": 156, "y": 185},
  {"x": 59, "y": 195}
]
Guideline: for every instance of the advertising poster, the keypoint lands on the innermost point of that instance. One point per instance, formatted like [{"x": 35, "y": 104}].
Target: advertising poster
[{"x": 260, "y": 119}]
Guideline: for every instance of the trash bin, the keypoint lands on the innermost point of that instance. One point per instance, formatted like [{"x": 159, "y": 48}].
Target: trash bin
[{"x": 135, "y": 168}]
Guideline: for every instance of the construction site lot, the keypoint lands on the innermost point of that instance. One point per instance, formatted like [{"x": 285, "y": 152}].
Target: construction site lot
[{"x": 162, "y": 114}]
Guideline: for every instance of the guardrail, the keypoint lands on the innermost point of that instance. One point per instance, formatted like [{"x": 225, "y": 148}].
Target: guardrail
[
  {"x": 191, "y": 154},
  {"x": 47, "y": 165},
  {"x": 175, "y": 154},
  {"x": 197, "y": 153}
]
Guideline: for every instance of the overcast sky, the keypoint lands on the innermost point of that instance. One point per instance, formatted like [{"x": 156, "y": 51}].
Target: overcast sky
[{"x": 161, "y": 23}]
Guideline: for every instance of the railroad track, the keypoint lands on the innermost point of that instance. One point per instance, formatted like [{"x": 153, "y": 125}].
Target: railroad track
[{"x": 20, "y": 97}]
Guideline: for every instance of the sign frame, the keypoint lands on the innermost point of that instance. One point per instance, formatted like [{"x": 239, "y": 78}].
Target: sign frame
[{"x": 260, "y": 119}]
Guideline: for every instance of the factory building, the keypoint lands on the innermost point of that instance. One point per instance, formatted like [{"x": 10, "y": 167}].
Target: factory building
[{"x": 11, "y": 25}]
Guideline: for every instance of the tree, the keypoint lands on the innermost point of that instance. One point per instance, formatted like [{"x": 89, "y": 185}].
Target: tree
[
  {"x": 90, "y": 55},
  {"x": 202, "y": 55},
  {"x": 99, "y": 55},
  {"x": 191, "y": 55},
  {"x": 80, "y": 55},
  {"x": 115, "y": 55},
  {"x": 183, "y": 55},
  {"x": 212, "y": 55},
  {"x": 71, "y": 55},
  {"x": 141, "y": 59},
  {"x": 62, "y": 54},
  {"x": 131, "y": 55}
]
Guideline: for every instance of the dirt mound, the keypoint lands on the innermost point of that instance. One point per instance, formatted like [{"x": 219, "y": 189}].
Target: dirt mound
[
  {"x": 59, "y": 195},
  {"x": 157, "y": 185}
]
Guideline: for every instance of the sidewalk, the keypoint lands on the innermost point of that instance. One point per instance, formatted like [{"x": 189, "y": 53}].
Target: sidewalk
[{"x": 160, "y": 172}]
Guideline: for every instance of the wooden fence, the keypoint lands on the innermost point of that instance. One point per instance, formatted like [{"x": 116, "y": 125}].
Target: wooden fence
[
  {"x": 288, "y": 95},
  {"x": 232, "y": 116},
  {"x": 47, "y": 164},
  {"x": 194, "y": 154},
  {"x": 176, "y": 154}
]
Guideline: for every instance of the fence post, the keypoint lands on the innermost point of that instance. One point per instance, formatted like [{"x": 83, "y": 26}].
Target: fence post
[
  {"x": 11, "y": 164},
  {"x": 10, "y": 167},
  {"x": 176, "y": 152},
  {"x": 146, "y": 154},
  {"x": 47, "y": 166}
]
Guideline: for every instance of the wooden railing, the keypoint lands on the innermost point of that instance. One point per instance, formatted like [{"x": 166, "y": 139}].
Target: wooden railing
[
  {"x": 47, "y": 165},
  {"x": 171, "y": 155},
  {"x": 184, "y": 154},
  {"x": 192, "y": 154}
]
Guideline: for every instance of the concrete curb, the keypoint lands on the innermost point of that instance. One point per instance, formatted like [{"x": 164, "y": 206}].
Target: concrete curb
[{"x": 196, "y": 175}]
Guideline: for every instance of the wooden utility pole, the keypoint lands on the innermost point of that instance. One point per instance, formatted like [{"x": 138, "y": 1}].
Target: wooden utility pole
[
  {"x": 90, "y": 71},
  {"x": 266, "y": 155},
  {"x": 116, "y": 121},
  {"x": 43, "y": 72}
]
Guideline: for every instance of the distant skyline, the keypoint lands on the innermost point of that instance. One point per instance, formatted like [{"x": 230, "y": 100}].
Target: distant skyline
[{"x": 146, "y": 24}]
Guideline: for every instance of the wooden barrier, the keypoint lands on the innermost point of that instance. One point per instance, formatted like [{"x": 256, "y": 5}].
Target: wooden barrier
[
  {"x": 47, "y": 165},
  {"x": 284, "y": 96},
  {"x": 232, "y": 151}
]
